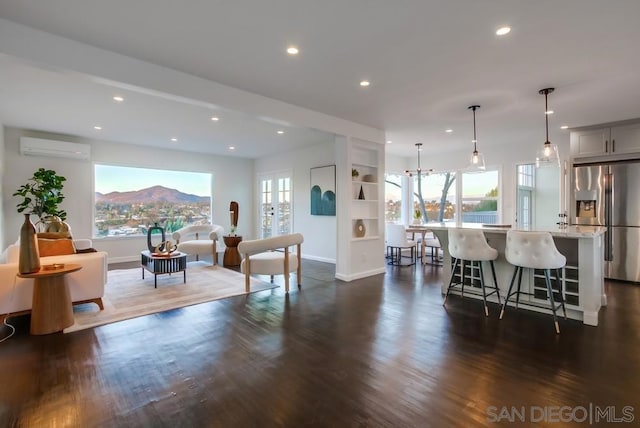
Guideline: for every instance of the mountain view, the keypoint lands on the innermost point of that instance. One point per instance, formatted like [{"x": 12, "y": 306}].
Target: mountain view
[
  {"x": 151, "y": 195},
  {"x": 133, "y": 212}
]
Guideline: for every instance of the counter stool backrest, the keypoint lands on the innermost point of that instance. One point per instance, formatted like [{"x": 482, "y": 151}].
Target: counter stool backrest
[
  {"x": 535, "y": 250},
  {"x": 470, "y": 244}
]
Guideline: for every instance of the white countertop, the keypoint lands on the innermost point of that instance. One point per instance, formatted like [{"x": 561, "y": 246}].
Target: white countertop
[{"x": 565, "y": 232}]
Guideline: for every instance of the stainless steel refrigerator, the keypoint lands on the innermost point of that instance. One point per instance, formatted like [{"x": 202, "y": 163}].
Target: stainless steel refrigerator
[{"x": 609, "y": 195}]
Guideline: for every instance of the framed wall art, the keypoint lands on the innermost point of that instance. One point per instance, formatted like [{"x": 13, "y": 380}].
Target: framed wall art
[{"x": 323, "y": 190}]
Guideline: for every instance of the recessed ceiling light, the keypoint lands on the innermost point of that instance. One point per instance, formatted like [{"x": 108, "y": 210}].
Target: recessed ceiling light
[
  {"x": 280, "y": 132},
  {"x": 564, "y": 127},
  {"x": 231, "y": 147},
  {"x": 97, "y": 128},
  {"x": 365, "y": 83},
  {"x": 215, "y": 118},
  {"x": 548, "y": 112},
  {"x": 503, "y": 30},
  {"x": 174, "y": 140},
  {"x": 448, "y": 131},
  {"x": 292, "y": 50},
  {"x": 389, "y": 141},
  {"x": 118, "y": 98}
]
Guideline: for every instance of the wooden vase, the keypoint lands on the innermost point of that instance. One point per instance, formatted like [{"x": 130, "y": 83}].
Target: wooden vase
[
  {"x": 29, "y": 258},
  {"x": 359, "y": 229}
]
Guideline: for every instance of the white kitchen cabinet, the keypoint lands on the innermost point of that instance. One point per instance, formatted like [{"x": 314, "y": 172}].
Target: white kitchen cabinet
[{"x": 606, "y": 141}]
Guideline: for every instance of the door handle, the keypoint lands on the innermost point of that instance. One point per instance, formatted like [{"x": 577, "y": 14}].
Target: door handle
[
  {"x": 613, "y": 146},
  {"x": 606, "y": 146}
]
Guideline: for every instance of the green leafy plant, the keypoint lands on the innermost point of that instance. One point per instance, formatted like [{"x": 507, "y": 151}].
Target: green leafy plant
[
  {"x": 42, "y": 194},
  {"x": 417, "y": 214},
  {"x": 354, "y": 172}
]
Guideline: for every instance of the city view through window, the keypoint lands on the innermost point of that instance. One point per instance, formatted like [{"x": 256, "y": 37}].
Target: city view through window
[{"x": 130, "y": 200}]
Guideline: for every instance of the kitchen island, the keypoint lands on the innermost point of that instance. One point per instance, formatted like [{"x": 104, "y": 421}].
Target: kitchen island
[{"x": 582, "y": 278}]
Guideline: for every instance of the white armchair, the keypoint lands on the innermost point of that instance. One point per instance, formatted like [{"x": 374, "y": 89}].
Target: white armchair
[
  {"x": 199, "y": 240},
  {"x": 271, "y": 256}
]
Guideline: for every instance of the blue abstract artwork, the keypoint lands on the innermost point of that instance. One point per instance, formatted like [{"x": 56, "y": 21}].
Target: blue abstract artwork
[{"x": 323, "y": 190}]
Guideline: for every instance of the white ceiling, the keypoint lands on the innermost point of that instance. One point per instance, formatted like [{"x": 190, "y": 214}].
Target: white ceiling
[{"x": 427, "y": 61}]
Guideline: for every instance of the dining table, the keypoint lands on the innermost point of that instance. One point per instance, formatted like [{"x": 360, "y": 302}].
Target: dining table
[{"x": 435, "y": 250}]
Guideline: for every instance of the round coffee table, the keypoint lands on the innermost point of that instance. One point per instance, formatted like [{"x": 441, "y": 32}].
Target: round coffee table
[{"x": 51, "y": 310}]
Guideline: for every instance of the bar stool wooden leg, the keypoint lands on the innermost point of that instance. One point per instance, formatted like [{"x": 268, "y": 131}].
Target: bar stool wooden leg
[
  {"x": 519, "y": 285},
  {"x": 453, "y": 273},
  {"x": 495, "y": 281},
  {"x": 551, "y": 299},
  {"x": 513, "y": 279},
  {"x": 564, "y": 311},
  {"x": 484, "y": 293},
  {"x": 462, "y": 276}
]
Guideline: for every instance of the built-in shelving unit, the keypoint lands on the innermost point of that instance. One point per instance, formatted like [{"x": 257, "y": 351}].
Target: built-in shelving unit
[
  {"x": 361, "y": 229},
  {"x": 364, "y": 192}
]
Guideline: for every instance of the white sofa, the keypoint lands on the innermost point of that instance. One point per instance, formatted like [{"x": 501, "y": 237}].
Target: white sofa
[{"x": 85, "y": 285}]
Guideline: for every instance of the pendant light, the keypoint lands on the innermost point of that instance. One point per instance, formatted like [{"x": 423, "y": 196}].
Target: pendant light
[
  {"x": 476, "y": 162},
  {"x": 548, "y": 154}
]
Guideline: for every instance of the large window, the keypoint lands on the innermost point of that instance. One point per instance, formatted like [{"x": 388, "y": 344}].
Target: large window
[
  {"x": 438, "y": 191},
  {"x": 480, "y": 197},
  {"x": 392, "y": 197},
  {"x": 130, "y": 200}
]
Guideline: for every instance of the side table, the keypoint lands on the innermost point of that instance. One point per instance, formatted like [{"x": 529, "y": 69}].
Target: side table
[
  {"x": 231, "y": 255},
  {"x": 51, "y": 309},
  {"x": 159, "y": 265}
]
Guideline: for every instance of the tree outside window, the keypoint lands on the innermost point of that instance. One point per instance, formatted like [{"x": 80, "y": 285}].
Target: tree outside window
[
  {"x": 435, "y": 196},
  {"x": 392, "y": 197}
]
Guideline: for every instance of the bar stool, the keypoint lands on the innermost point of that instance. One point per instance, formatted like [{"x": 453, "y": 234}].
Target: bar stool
[
  {"x": 471, "y": 245},
  {"x": 534, "y": 250}
]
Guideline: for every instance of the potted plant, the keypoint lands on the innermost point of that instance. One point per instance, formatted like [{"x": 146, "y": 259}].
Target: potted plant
[
  {"x": 42, "y": 194},
  {"x": 354, "y": 173},
  {"x": 417, "y": 216}
]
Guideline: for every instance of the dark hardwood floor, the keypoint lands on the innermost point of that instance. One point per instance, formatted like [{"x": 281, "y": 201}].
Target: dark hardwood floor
[{"x": 377, "y": 352}]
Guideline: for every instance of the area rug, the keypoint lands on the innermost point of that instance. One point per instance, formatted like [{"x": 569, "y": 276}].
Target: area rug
[{"x": 127, "y": 295}]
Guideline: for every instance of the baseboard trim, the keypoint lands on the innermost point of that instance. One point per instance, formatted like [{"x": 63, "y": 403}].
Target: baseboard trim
[
  {"x": 319, "y": 259},
  {"x": 359, "y": 275},
  {"x": 124, "y": 259}
]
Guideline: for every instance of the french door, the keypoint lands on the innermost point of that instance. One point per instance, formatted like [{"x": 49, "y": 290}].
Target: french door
[{"x": 276, "y": 207}]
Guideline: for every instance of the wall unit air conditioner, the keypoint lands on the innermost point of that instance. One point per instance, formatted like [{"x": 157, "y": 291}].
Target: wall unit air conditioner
[{"x": 52, "y": 148}]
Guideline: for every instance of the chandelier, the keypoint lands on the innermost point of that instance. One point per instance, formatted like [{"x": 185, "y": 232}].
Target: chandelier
[{"x": 418, "y": 171}]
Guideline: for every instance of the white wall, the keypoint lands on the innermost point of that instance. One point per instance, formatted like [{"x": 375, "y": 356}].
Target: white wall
[
  {"x": 547, "y": 198},
  {"x": 2, "y": 192},
  {"x": 232, "y": 180},
  {"x": 319, "y": 231},
  {"x": 503, "y": 157}
]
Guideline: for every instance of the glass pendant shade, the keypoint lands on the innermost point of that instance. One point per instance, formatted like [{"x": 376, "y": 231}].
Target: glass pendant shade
[
  {"x": 547, "y": 155},
  {"x": 476, "y": 160}
]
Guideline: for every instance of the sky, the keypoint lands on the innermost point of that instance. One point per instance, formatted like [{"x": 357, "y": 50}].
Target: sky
[{"x": 123, "y": 179}]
